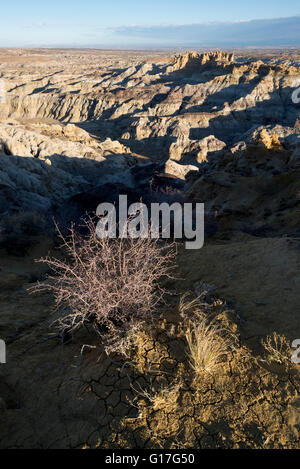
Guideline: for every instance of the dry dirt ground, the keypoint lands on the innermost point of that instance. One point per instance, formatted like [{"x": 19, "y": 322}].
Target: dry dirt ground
[{"x": 54, "y": 396}]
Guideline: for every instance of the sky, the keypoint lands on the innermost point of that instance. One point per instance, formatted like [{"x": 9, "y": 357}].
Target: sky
[{"x": 136, "y": 23}]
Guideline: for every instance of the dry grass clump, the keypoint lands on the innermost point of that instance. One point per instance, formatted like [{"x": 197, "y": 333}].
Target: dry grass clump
[
  {"x": 141, "y": 346},
  {"x": 165, "y": 399},
  {"x": 111, "y": 284},
  {"x": 207, "y": 341},
  {"x": 190, "y": 308},
  {"x": 206, "y": 346},
  {"x": 126, "y": 344},
  {"x": 277, "y": 349}
]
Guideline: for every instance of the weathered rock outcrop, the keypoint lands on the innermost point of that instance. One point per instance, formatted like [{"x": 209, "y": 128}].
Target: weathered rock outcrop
[
  {"x": 191, "y": 62},
  {"x": 72, "y": 124},
  {"x": 39, "y": 171}
]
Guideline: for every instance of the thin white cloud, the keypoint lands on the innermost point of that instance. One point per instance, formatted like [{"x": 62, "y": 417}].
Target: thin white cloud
[{"x": 277, "y": 31}]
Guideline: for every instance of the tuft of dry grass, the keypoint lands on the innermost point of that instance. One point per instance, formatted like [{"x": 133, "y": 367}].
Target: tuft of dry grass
[
  {"x": 206, "y": 340},
  {"x": 188, "y": 308},
  {"x": 277, "y": 349},
  {"x": 165, "y": 399},
  {"x": 206, "y": 346},
  {"x": 127, "y": 345}
]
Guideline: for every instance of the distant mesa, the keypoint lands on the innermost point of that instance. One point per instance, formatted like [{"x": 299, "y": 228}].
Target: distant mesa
[{"x": 190, "y": 61}]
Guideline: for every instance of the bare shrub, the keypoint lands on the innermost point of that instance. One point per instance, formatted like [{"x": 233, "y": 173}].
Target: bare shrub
[{"x": 109, "y": 283}]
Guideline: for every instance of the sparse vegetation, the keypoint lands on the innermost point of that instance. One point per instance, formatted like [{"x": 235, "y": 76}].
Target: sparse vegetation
[
  {"x": 110, "y": 284},
  {"x": 207, "y": 343},
  {"x": 166, "y": 398},
  {"x": 206, "y": 346},
  {"x": 128, "y": 343},
  {"x": 277, "y": 349}
]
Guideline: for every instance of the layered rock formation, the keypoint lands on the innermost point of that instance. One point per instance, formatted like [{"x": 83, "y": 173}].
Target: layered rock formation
[{"x": 72, "y": 121}]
